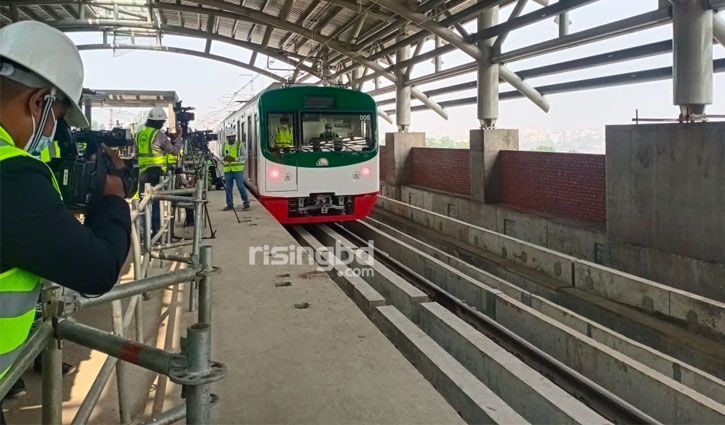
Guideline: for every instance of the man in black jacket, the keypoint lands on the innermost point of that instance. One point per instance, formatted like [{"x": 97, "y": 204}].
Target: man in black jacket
[{"x": 41, "y": 78}]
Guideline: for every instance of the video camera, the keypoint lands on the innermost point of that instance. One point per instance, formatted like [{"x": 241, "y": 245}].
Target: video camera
[
  {"x": 82, "y": 177},
  {"x": 182, "y": 112},
  {"x": 199, "y": 140}
]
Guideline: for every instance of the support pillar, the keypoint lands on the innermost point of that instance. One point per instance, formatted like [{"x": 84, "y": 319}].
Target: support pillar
[
  {"x": 402, "y": 91},
  {"x": 488, "y": 72},
  {"x": 564, "y": 24},
  {"x": 87, "y": 110},
  {"x": 692, "y": 24},
  {"x": 398, "y": 160},
  {"x": 485, "y": 174}
]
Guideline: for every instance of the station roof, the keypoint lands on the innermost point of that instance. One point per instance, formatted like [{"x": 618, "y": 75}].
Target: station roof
[
  {"x": 355, "y": 41},
  {"x": 129, "y": 98}
]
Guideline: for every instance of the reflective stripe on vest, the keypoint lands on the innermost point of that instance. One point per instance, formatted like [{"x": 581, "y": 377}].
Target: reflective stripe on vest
[
  {"x": 148, "y": 154},
  {"x": 19, "y": 289},
  {"x": 283, "y": 137},
  {"x": 171, "y": 159},
  {"x": 49, "y": 152},
  {"x": 232, "y": 150}
]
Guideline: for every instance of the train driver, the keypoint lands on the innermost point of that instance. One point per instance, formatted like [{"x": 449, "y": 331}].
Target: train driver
[
  {"x": 283, "y": 136},
  {"x": 330, "y": 136}
]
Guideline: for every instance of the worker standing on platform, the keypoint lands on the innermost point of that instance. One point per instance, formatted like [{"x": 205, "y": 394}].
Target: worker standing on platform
[
  {"x": 283, "y": 136},
  {"x": 153, "y": 145},
  {"x": 41, "y": 78},
  {"x": 235, "y": 157}
]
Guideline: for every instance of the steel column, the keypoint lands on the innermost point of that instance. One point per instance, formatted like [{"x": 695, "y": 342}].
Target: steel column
[
  {"x": 402, "y": 92},
  {"x": 198, "y": 397},
  {"x": 205, "y": 299},
  {"x": 121, "y": 367},
  {"x": 488, "y": 72},
  {"x": 718, "y": 28},
  {"x": 52, "y": 389},
  {"x": 693, "y": 67}
]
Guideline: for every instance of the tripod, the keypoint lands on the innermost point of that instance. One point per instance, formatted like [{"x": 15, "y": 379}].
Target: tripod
[{"x": 207, "y": 156}]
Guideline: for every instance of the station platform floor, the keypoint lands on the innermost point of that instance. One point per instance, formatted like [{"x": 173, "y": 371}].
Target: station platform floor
[{"x": 323, "y": 364}]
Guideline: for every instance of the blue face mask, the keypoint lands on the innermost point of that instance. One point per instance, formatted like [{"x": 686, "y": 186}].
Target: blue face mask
[{"x": 45, "y": 141}]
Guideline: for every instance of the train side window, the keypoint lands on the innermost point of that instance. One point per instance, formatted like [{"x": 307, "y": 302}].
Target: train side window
[{"x": 281, "y": 132}]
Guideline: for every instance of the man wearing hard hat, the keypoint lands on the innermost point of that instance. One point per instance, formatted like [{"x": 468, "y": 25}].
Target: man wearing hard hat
[
  {"x": 153, "y": 145},
  {"x": 41, "y": 78}
]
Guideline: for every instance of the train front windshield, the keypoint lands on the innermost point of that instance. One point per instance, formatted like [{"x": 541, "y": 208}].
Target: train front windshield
[{"x": 337, "y": 132}]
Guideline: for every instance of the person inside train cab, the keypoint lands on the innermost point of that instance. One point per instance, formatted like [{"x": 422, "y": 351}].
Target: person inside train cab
[
  {"x": 330, "y": 136},
  {"x": 283, "y": 135}
]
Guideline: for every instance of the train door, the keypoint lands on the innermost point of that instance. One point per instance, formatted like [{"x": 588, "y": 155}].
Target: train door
[
  {"x": 252, "y": 153},
  {"x": 281, "y": 172}
]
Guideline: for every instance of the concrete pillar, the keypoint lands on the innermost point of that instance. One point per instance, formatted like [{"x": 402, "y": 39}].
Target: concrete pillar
[
  {"x": 398, "y": 159},
  {"x": 402, "y": 92},
  {"x": 693, "y": 66},
  {"x": 488, "y": 73},
  {"x": 665, "y": 188},
  {"x": 485, "y": 175},
  {"x": 356, "y": 75}
]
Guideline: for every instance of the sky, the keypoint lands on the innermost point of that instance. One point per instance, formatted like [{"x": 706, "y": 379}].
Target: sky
[{"x": 215, "y": 88}]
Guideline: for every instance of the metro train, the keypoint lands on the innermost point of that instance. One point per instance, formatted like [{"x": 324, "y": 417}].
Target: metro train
[{"x": 327, "y": 169}]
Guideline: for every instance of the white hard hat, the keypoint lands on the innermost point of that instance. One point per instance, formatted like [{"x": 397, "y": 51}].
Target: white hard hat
[
  {"x": 157, "y": 114},
  {"x": 51, "y": 55}
]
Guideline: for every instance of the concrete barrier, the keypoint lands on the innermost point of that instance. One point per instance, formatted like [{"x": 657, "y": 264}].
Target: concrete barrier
[
  {"x": 366, "y": 298},
  {"x": 396, "y": 290},
  {"x": 697, "y": 312},
  {"x": 475, "y": 402},
  {"x": 555, "y": 264},
  {"x": 536, "y": 398}
]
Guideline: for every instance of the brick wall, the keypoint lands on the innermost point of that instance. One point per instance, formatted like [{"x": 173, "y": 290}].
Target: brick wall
[
  {"x": 382, "y": 162},
  {"x": 565, "y": 184},
  {"x": 447, "y": 170}
]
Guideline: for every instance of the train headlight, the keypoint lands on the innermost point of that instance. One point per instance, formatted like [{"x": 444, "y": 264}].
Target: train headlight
[
  {"x": 274, "y": 173},
  {"x": 355, "y": 175},
  {"x": 366, "y": 171}
]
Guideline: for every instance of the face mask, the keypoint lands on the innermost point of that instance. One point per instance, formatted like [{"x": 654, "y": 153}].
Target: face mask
[{"x": 47, "y": 140}]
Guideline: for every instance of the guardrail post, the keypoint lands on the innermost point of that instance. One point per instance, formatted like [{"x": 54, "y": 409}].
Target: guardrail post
[
  {"x": 198, "y": 397},
  {"x": 198, "y": 204},
  {"x": 205, "y": 285},
  {"x": 52, "y": 390},
  {"x": 147, "y": 215}
]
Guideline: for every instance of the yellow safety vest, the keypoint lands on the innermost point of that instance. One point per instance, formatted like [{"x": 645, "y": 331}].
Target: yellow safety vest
[
  {"x": 49, "y": 152},
  {"x": 283, "y": 137},
  {"x": 172, "y": 159},
  {"x": 232, "y": 150},
  {"x": 148, "y": 154},
  {"x": 19, "y": 289}
]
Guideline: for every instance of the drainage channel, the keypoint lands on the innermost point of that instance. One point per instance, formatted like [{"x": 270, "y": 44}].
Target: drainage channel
[{"x": 486, "y": 371}]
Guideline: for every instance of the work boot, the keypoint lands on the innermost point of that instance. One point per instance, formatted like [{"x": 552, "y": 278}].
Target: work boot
[
  {"x": 228, "y": 208},
  {"x": 17, "y": 390},
  {"x": 246, "y": 206}
]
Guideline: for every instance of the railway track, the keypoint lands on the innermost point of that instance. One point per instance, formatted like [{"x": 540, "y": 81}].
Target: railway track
[{"x": 542, "y": 369}]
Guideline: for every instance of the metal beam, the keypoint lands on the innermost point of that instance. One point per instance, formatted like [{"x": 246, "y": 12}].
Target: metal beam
[
  {"x": 358, "y": 8},
  {"x": 518, "y": 9},
  {"x": 718, "y": 29},
  {"x": 98, "y": 24},
  {"x": 470, "y": 49},
  {"x": 625, "y": 26},
  {"x": 182, "y": 52},
  {"x": 650, "y": 75}
]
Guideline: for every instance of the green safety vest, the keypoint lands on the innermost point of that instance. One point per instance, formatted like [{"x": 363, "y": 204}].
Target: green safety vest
[
  {"x": 283, "y": 137},
  {"x": 49, "y": 152},
  {"x": 172, "y": 159},
  {"x": 232, "y": 150},
  {"x": 148, "y": 154},
  {"x": 19, "y": 289}
]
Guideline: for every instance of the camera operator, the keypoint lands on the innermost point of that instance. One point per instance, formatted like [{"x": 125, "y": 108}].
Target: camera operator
[
  {"x": 153, "y": 145},
  {"x": 41, "y": 78}
]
